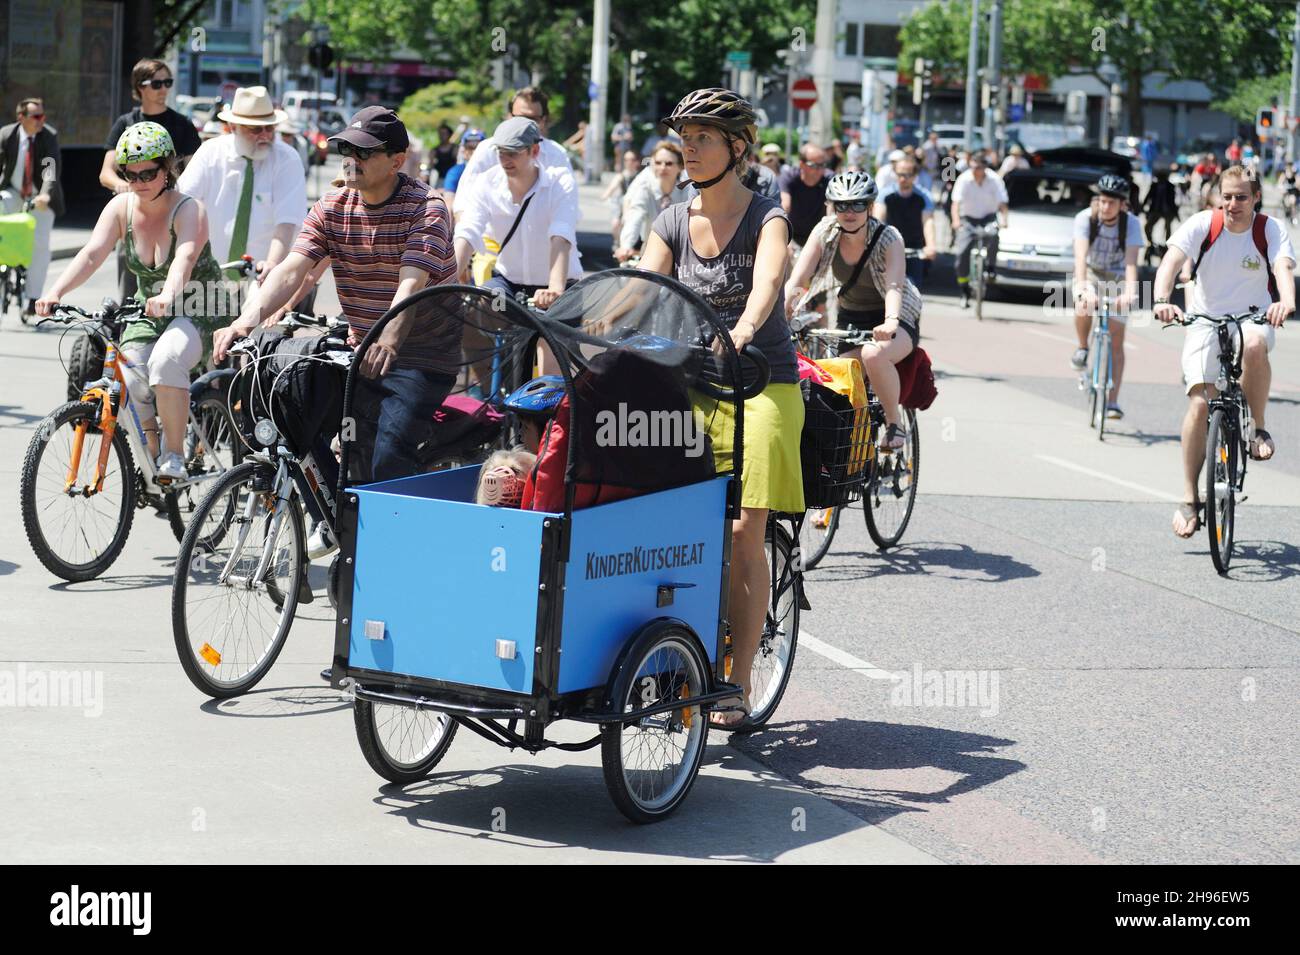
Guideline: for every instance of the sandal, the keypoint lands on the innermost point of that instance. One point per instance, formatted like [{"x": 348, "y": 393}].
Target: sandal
[
  {"x": 726, "y": 711},
  {"x": 1189, "y": 512},
  {"x": 1257, "y": 442},
  {"x": 895, "y": 438}
]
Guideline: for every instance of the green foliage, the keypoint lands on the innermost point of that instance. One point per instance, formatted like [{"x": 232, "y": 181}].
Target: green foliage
[
  {"x": 1249, "y": 96},
  {"x": 425, "y": 109}
]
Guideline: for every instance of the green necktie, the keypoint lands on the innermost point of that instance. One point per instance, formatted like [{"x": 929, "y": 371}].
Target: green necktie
[{"x": 239, "y": 238}]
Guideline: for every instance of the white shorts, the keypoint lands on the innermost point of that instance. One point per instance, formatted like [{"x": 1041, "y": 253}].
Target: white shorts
[
  {"x": 166, "y": 360},
  {"x": 1201, "y": 350}
]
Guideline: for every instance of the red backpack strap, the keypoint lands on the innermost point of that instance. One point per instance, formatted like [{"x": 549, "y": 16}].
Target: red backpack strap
[
  {"x": 1216, "y": 229},
  {"x": 1258, "y": 231}
]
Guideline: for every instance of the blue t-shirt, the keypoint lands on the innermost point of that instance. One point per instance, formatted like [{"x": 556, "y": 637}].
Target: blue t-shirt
[
  {"x": 452, "y": 179},
  {"x": 1106, "y": 254}
]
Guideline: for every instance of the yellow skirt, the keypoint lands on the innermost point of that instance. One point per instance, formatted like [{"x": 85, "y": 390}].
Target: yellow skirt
[{"x": 772, "y": 477}]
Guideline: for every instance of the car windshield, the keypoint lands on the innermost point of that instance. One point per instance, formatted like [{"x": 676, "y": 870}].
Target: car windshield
[{"x": 1052, "y": 195}]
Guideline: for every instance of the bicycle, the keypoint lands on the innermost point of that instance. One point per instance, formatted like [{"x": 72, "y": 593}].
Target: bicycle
[
  {"x": 979, "y": 275},
  {"x": 13, "y": 278},
  {"x": 242, "y": 567},
  {"x": 1097, "y": 378},
  {"x": 1228, "y": 432},
  {"x": 88, "y": 432},
  {"x": 887, "y": 485}
]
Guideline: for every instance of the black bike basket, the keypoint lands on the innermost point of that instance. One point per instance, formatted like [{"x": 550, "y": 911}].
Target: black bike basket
[{"x": 833, "y": 447}]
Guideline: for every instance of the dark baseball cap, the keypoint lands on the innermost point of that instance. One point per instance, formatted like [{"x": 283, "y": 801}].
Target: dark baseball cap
[{"x": 375, "y": 127}]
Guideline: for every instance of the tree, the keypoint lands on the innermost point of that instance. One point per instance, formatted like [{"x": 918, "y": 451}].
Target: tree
[
  {"x": 1218, "y": 42},
  {"x": 1243, "y": 102}
]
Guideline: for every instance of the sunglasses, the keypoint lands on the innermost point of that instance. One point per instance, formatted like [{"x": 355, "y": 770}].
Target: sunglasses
[
  {"x": 1237, "y": 197},
  {"x": 356, "y": 152},
  {"x": 905, "y": 175},
  {"x": 149, "y": 175},
  {"x": 850, "y": 206},
  {"x": 158, "y": 84},
  {"x": 35, "y": 115},
  {"x": 813, "y": 165}
]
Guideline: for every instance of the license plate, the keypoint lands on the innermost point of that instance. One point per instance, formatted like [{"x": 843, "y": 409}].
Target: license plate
[{"x": 1031, "y": 265}]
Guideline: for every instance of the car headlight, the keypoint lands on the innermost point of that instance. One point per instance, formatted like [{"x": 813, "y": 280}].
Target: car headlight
[{"x": 264, "y": 432}]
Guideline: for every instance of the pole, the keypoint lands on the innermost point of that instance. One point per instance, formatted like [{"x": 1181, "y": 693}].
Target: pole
[
  {"x": 820, "y": 116},
  {"x": 993, "y": 119},
  {"x": 972, "y": 73},
  {"x": 627, "y": 69},
  {"x": 594, "y": 146},
  {"x": 789, "y": 100},
  {"x": 1293, "y": 137}
]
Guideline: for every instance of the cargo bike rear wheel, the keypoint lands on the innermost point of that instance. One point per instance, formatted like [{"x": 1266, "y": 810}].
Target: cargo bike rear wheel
[{"x": 402, "y": 743}]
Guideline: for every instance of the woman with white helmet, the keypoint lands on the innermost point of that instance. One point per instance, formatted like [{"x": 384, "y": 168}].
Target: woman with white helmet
[
  {"x": 157, "y": 225},
  {"x": 856, "y": 267}
]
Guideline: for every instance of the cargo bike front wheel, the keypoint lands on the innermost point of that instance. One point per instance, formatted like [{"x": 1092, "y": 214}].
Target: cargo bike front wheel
[{"x": 651, "y": 762}]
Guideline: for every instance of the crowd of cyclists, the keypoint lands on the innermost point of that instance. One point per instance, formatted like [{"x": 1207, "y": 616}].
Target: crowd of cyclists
[{"x": 758, "y": 239}]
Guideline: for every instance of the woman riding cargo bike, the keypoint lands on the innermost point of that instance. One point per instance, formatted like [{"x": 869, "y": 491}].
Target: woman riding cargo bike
[{"x": 76, "y": 528}]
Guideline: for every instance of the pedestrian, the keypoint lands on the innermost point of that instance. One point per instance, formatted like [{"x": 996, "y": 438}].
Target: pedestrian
[
  {"x": 443, "y": 155},
  {"x": 386, "y": 235},
  {"x": 577, "y": 147},
  {"x": 469, "y": 142},
  {"x": 856, "y": 154},
  {"x": 31, "y": 168},
  {"x": 616, "y": 192},
  {"x": 252, "y": 186},
  {"x": 1015, "y": 160},
  {"x": 1233, "y": 152},
  {"x": 1160, "y": 205},
  {"x": 803, "y": 192},
  {"x": 151, "y": 84},
  {"x": 530, "y": 103},
  {"x": 623, "y": 135}
]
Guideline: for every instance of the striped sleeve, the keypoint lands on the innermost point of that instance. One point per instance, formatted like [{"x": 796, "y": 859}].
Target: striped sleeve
[
  {"x": 428, "y": 244},
  {"x": 311, "y": 241}
]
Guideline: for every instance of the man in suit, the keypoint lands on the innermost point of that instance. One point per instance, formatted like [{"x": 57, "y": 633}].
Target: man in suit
[{"x": 31, "y": 169}]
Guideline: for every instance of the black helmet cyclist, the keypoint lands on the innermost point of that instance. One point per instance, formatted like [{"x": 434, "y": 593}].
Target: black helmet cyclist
[
  {"x": 714, "y": 106},
  {"x": 1113, "y": 185}
]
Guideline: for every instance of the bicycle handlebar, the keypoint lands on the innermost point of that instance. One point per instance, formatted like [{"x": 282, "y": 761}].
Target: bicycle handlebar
[
  {"x": 244, "y": 265},
  {"x": 1253, "y": 314}
]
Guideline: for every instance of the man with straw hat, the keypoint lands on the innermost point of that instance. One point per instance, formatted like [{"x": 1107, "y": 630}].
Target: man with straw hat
[{"x": 251, "y": 183}]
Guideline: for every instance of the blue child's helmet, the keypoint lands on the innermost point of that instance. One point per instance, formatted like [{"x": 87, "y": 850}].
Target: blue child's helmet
[
  {"x": 538, "y": 398},
  {"x": 473, "y": 135}
]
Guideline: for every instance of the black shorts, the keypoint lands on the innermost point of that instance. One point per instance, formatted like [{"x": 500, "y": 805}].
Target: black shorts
[{"x": 866, "y": 321}]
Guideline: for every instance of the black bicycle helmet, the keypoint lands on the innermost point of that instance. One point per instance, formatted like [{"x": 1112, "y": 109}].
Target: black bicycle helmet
[
  {"x": 1113, "y": 185},
  {"x": 719, "y": 107}
]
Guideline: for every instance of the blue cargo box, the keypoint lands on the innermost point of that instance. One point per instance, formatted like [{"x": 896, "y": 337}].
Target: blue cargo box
[{"x": 444, "y": 579}]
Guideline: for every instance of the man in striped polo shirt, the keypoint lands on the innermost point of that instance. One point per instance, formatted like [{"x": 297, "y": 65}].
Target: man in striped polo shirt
[{"x": 386, "y": 236}]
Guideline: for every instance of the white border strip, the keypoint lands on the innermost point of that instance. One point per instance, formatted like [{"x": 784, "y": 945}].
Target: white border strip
[
  {"x": 836, "y": 655},
  {"x": 1100, "y": 475}
]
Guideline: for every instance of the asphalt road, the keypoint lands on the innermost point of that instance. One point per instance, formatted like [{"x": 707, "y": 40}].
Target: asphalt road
[{"x": 1127, "y": 704}]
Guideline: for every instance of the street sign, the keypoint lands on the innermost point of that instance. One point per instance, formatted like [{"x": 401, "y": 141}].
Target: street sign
[
  {"x": 593, "y": 90},
  {"x": 1016, "y": 113},
  {"x": 741, "y": 58},
  {"x": 803, "y": 94}
]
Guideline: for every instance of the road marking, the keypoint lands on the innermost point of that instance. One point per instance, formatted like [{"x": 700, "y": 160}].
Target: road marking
[
  {"x": 1128, "y": 345},
  {"x": 836, "y": 655},
  {"x": 1101, "y": 475}
]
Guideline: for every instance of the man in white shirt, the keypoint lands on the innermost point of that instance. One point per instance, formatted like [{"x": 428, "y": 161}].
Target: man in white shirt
[
  {"x": 977, "y": 197},
  {"x": 529, "y": 103},
  {"x": 1232, "y": 275},
  {"x": 251, "y": 183},
  {"x": 540, "y": 256},
  {"x": 887, "y": 175}
]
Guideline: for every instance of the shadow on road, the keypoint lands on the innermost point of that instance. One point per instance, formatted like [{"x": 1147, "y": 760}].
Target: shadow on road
[
  {"x": 545, "y": 807},
  {"x": 814, "y": 752},
  {"x": 961, "y": 562},
  {"x": 8, "y": 567},
  {"x": 110, "y": 584},
  {"x": 280, "y": 702},
  {"x": 1264, "y": 561},
  {"x": 1144, "y": 438},
  {"x": 945, "y": 375},
  {"x": 11, "y": 417}
]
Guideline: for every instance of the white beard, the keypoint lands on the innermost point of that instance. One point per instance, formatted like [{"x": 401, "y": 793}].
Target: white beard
[{"x": 251, "y": 151}]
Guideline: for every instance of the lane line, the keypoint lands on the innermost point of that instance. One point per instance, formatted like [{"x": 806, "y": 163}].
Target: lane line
[
  {"x": 1128, "y": 345},
  {"x": 1101, "y": 475},
  {"x": 836, "y": 655}
]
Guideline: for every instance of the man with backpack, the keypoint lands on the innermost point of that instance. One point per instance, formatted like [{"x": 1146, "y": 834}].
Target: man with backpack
[
  {"x": 1242, "y": 258},
  {"x": 1107, "y": 240}
]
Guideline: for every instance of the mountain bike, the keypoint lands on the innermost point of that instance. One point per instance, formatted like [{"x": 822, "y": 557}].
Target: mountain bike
[
  {"x": 1097, "y": 378},
  {"x": 88, "y": 466},
  {"x": 1228, "y": 434}
]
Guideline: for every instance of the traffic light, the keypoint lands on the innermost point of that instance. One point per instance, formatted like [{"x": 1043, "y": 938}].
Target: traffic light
[
  {"x": 922, "y": 79},
  {"x": 320, "y": 56},
  {"x": 1264, "y": 120},
  {"x": 636, "y": 72}
]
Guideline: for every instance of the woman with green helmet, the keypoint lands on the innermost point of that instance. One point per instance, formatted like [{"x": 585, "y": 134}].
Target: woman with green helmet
[
  {"x": 730, "y": 245},
  {"x": 165, "y": 236}
]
